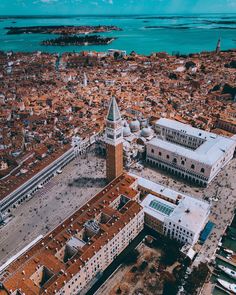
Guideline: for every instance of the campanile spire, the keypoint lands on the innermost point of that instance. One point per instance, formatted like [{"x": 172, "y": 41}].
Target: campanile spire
[{"x": 114, "y": 141}]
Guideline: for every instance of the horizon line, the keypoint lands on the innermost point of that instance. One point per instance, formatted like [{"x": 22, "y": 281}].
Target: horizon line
[{"x": 114, "y": 14}]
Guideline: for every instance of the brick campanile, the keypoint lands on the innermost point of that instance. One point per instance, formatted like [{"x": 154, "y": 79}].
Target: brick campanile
[{"x": 114, "y": 142}]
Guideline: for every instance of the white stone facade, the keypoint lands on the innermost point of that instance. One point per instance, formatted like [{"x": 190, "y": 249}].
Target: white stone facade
[
  {"x": 182, "y": 222},
  {"x": 173, "y": 213},
  {"x": 187, "y": 220},
  {"x": 188, "y": 152}
]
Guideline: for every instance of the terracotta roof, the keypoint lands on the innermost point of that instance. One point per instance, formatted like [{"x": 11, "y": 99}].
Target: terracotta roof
[{"x": 19, "y": 273}]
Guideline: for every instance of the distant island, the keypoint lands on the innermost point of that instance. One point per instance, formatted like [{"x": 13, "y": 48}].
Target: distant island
[
  {"x": 178, "y": 27},
  {"x": 62, "y": 30},
  {"x": 78, "y": 40}
]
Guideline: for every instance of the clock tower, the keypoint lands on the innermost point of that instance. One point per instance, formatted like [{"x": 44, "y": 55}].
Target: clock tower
[{"x": 114, "y": 142}]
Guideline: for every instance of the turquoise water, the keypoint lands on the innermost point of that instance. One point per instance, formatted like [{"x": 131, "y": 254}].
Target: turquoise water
[{"x": 185, "y": 34}]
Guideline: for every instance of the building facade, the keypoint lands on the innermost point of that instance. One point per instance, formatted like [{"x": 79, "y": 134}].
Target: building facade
[
  {"x": 81, "y": 146},
  {"x": 114, "y": 142},
  {"x": 187, "y": 220},
  {"x": 227, "y": 124},
  {"x": 71, "y": 258},
  {"x": 188, "y": 152},
  {"x": 173, "y": 214},
  {"x": 28, "y": 188}
]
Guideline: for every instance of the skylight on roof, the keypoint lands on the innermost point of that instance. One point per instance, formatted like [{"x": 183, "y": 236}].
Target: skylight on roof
[{"x": 162, "y": 208}]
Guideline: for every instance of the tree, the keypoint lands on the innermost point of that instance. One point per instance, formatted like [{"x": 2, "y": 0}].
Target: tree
[
  {"x": 196, "y": 278},
  {"x": 134, "y": 269},
  {"x": 143, "y": 265},
  {"x": 190, "y": 64},
  {"x": 170, "y": 288},
  {"x": 116, "y": 55},
  {"x": 131, "y": 257},
  {"x": 228, "y": 89},
  {"x": 232, "y": 64},
  {"x": 170, "y": 255},
  {"x": 173, "y": 76}
]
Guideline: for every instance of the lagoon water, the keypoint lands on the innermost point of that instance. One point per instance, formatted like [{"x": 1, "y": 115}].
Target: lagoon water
[{"x": 143, "y": 34}]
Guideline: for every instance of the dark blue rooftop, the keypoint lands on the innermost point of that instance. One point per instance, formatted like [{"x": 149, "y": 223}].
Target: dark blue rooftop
[{"x": 206, "y": 231}]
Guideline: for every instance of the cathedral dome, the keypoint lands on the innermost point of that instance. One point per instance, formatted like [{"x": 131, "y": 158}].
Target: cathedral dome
[
  {"x": 124, "y": 123},
  {"x": 126, "y": 130},
  {"x": 134, "y": 126},
  {"x": 146, "y": 132},
  {"x": 143, "y": 122}
]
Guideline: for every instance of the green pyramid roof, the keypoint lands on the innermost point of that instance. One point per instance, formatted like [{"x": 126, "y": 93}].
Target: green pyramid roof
[{"x": 113, "y": 113}]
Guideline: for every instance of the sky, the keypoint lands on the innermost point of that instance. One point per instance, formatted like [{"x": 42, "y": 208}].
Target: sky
[{"x": 74, "y": 7}]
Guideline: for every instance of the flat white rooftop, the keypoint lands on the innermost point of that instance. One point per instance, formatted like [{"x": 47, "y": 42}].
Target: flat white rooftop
[
  {"x": 158, "y": 188},
  {"x": 191, "y": 214},
  {"x": 185, "y": 128},
  {"x": 209, "y": 152}
]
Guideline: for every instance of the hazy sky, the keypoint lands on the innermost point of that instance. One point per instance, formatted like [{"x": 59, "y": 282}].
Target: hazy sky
[{"x": 9, "y": 7}]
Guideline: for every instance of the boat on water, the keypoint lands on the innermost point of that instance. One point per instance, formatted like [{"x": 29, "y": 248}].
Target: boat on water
[
  {"x": 228, "y": 286},
  {"x": 229, "y": 257},
  {"x": 231, "y": 273},
  {"x": 232, "y": 233},
  {"x": 228, "y": 251}
]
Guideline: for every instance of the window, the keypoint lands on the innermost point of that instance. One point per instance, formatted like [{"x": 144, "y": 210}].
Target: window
[
  {"x": 175, "y": 160},
  {"x": 167, "y": 156},
  {"x": 192, "y": 167},
  {"x": 152, "y": 151},
  {"x": 202, "y": 170},
  {"x": 159, "y": 153},
  {"x": 182, "y": 162},
  {"x": 110, "y": 136}
]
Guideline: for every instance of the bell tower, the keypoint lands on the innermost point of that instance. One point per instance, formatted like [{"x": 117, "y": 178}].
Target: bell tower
[
  {"x": 218, "y": 46},
  {"x": 114, "y": 142}
]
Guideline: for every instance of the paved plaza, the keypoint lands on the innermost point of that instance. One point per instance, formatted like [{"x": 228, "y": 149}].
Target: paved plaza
[{"x": 81, "y": 179}]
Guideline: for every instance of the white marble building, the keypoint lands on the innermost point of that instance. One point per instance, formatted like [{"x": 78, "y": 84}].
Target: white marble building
[
  {"x": 188, "y": 152},
  {"x": 171, "y": 213}
]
